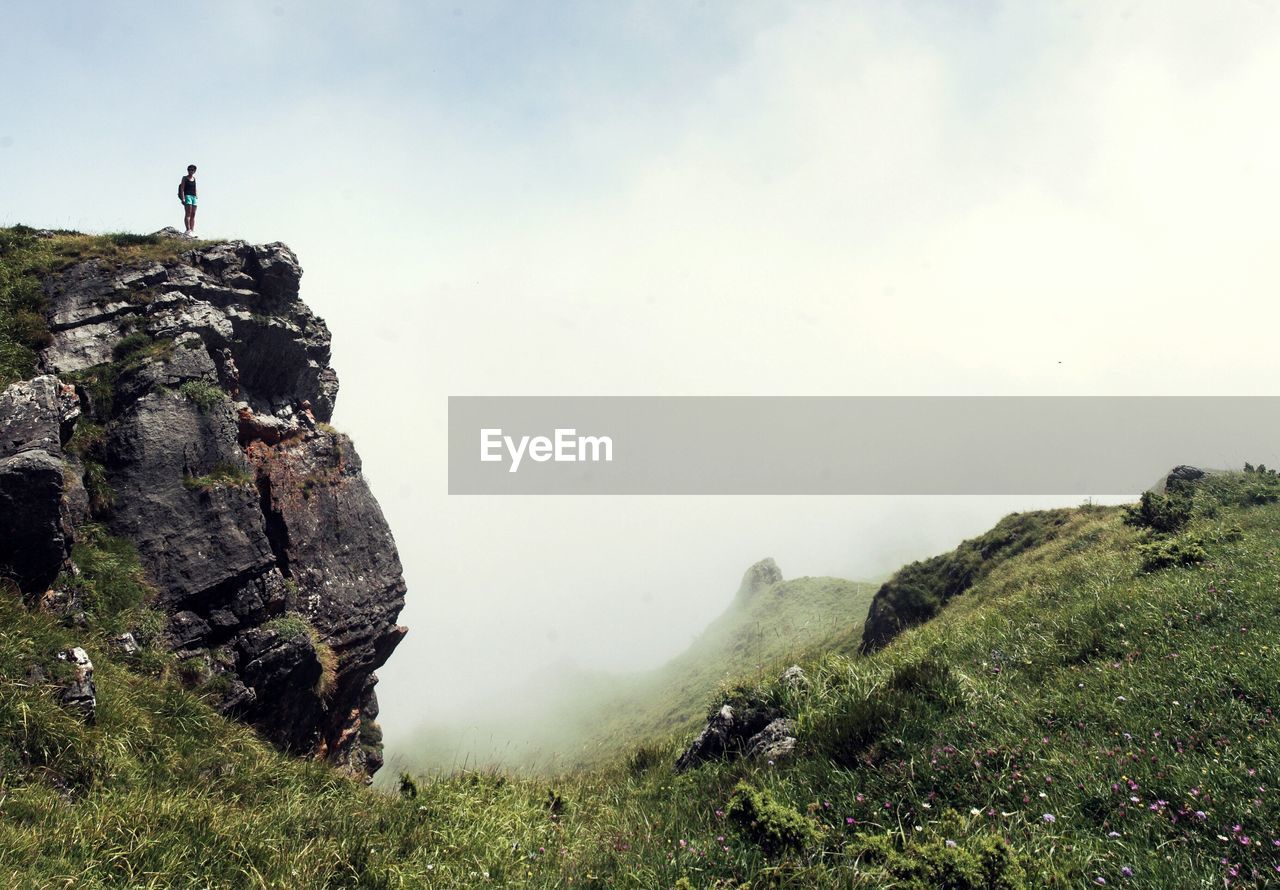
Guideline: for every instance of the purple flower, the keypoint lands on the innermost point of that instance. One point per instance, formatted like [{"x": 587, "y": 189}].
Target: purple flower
[
  {"x": 1127, "y": 872},
  {"x": 1100, "y": 880},
  {"x": 950, "y": 842},
  {"x": 1050, "y": 818}
]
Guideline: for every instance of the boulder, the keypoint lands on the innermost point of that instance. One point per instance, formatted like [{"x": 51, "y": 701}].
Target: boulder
[
  {"x": 78, "y": 693},
  {"x": 36, "y": 417},
  {"x": 761, "y": 575}
]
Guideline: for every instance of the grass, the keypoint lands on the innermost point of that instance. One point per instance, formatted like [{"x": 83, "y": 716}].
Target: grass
[
  {"x": 223, "y": 475},
  {"x": 205, "y": 395},
  {"x": 293, "y": 626},
  {"x": 1070, "y": 716},
  {"x": 579, "y": 718},
  {"x": 26, "y": 260}
]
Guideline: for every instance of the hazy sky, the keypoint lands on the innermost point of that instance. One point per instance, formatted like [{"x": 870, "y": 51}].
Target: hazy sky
[{"x": 679, "y": 198}]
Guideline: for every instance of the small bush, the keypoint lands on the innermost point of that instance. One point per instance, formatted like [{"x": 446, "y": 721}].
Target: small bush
[
  {"x": 645, "y": 758},
  {"x": 87, "y": 440},
  {"x": 130, "y": 239},
  {"x": 1159, "y": 512},
  {"x": 111, "y": 578},
  {"x": 102, "y": 497},
  {"x": 327, "y": 682},
  {"x": 223, "y": 475},
  {"x": 1168, "y": 552},
  {"x": 290, "y": 625},
  {"x": 129, "y": 344},
  {"x": 204, "y": 394},
  {"x": 772, "y": 826}
]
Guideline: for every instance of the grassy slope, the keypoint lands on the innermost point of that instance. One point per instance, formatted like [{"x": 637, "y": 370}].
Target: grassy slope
[
  {"x": 575, "y": 717},
  {"x": 1066, "y": 682},
  {"x": 1136, "y": 708}
]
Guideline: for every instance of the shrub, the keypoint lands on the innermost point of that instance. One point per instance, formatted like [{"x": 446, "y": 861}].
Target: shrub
[
  {"x": 772, "y": 826},
  {"x": 1166, "y": 552},
  {"x": 129, "y": 344},
  {"x": 987, "y": 864},
  {"x": 1159, "y": 512},
  {"x": 223, "y": 475},
  {"x": 102, "y": 497},
  {"x": 290, "y": 625},
  {"x": 111, "y": 578},
  {"x": 204, "y": 394}
]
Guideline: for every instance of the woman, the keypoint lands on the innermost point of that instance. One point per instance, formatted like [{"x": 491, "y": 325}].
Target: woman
[{"x": 187, "y": 197}]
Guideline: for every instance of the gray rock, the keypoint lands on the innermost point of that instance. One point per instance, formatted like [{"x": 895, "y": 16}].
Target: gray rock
[
  {"x": 759, "y": 576},
  {"x": 1183, "y": 474},
  {"x": 36, "y": 416},
  {"x": 125, "y": 643},
  {"x": 794, "y": 677},
  {"x": 240, "y": 509},
  {"x": 728, "y": 733},
  {"x": 79, "y": 693},
  {"x": 775, "y": 741}
]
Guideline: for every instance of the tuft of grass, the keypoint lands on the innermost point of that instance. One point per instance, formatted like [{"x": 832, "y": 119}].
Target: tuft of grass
[
  {"x": 102, "y": 496},
  {"x": 295, "y": 626},
  {"x": 204, "y": 394},
  {"x": 774, "y": 827},
  {"x": 223, "y": 475}
]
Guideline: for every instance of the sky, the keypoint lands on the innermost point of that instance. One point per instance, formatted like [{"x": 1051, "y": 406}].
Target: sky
[{"x": 744, "y": 198}]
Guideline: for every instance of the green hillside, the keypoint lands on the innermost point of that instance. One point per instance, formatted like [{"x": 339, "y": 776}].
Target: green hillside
[
  {"x": 568, "y": 717},
  {"x": 756, "y": 638},
  {"x": 1097, "y": 707}
]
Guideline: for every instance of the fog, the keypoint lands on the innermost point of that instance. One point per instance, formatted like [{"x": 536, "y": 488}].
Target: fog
[{"x": 733, "y": 198}]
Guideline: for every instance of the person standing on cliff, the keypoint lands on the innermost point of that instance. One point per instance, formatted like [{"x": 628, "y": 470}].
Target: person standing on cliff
[{"x": 187, "y": 197}]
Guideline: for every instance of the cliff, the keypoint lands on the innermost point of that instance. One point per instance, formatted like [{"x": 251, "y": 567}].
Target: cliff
[{"x": 183, "y": 408}]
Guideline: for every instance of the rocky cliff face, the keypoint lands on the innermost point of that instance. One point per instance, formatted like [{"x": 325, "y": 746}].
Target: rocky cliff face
[{"x": 194, "y": 394}]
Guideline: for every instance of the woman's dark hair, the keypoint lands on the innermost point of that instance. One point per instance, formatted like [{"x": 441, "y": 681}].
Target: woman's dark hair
[{"x": 191, "y": 168}]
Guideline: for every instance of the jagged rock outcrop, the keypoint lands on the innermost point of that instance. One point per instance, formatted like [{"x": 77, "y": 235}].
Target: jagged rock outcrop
[
  {"x": 761, "y": 575},
  {"x": 208, "y": 384},
  {"x": 749, "y": 728},
  {"x": 79, "y": 693},
  {"x": 36, "y": 417}
]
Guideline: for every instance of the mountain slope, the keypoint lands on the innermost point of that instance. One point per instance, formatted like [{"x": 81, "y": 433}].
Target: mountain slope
[
  {"x": 569, "y": 717},
  {"x": 1099, "y": 706}
]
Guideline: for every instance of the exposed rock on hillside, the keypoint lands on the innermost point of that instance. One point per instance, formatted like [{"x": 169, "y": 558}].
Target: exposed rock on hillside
[
  {"x": 205, "y": 382},
  {"x": 36, "y": 417},
  {"x": 759, "y": 576},
  {"x": 748, "y": 729}
]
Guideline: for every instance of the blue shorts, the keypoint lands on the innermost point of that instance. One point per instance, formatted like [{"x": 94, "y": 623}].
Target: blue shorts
[{"x": 190, "y": 200}]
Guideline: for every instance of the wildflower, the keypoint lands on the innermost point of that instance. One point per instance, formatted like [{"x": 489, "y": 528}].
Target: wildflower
[
  {"x": 950, "y": 842},
  {"x": 1113, "y": 834},
  {"x": 1100, "y": 880},
  {"x": 1050, "y": 818},
  {"x": 1127, "y": 872},
  {"x": 849, "y": 820},
  {"x": 1200, "y": 814}
]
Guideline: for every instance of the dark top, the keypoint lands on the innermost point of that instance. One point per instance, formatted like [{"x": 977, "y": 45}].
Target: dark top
[{"x": 186, "y": 187}]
